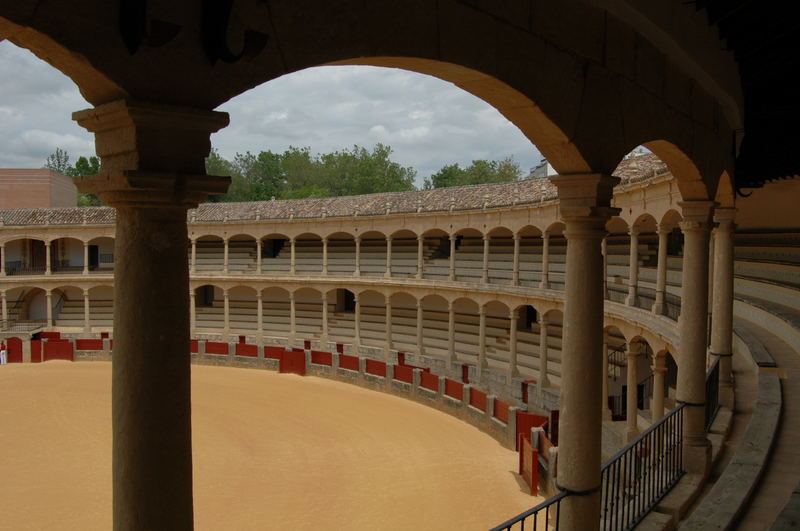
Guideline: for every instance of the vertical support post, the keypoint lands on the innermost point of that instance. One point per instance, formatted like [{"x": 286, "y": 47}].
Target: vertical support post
[
  {"x": 225, "y": 256},
  {"x": 604, "y": 252},
  {"x": 357, "y": 323},
  {"x": 258, "y": 255},
  {"x": 513, "y": 317},
  {"x": 451, "y": 332},
  {"x": 325, "y": 255},
  {"x": 192, "y": 313},
  {"x": 659, "y": 370},
  {"x": 49, "y": 308},
  {"x": 260, "y": 315},
  {"x": 515, "y": 265},
  {"x": 633, "y": 267},
  {"x": 388, "y": 273},
  {"x": 452, "y": 275},
  {"x": 545, "y": 283},
  {"x": 722, "y": 324},
  {"x": 87, "y": 324},
  {"x": 420, "y": 243},
  {"x": 324, "y": 335},
  {"x": 4, "y": 308},
  {"x": 292, "y": 261},
  {"x": 85, "y": 258},
  {"x": 485, "y": 269},
  {"x": 544, "y": 381},
  {"x": 635, "y": 348},
  {"x": 659, "y": 306},
  {"x": 420, "y": 337},
  {"x": 481, "y": 341},
  {"x": 2, "y": 260},
  {"x": 226, "y": 330},
  {"x": 388, "y": 320},
  {"x": 606, "y": 411},
  {"x": 194, "y": 256},
  {"x": 292, "y": 320},
  {"x": 48, "y": 270}
]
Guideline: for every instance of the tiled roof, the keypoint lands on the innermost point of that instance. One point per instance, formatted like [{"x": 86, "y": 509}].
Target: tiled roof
[{"x": 472, "y": 197}]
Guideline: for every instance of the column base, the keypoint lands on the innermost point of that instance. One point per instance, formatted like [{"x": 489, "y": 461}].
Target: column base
[
  {"x": 658, "y": 308},
  {"x": 726, "y": 395},
  {"x": 697, "y": 456},
  {"x": 630, "y": 434},
  {"x": 631, "y": 299},
  {"x": 544, "y": 284}
]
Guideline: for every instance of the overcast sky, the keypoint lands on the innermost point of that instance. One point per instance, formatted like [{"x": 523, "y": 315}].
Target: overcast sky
[{"x": 427, "y": 122}]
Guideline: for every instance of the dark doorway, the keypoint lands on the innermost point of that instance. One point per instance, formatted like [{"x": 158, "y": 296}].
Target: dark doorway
[{"x": 94, "y": 257}]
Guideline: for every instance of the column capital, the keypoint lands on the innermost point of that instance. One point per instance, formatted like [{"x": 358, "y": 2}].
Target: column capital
[
  {"x": 388, "y": 237},
  {"x": 635, "y": 348},
  {"x": 481, "y": 310},
  {"x": 580, "y": 194},
  {"x": 696, "y": 214},
  {"x": 514, "y": 314},
  {"x": 724, "y": 217},
  {"x": 151, "y": 154},
  {"x": 486, "y": 237},
  {"x": 634, "y": 231},
  {"x": 661, "y": 230},
  {"x": 543, "y": 321},
  {"x": 85, "y": 292}
]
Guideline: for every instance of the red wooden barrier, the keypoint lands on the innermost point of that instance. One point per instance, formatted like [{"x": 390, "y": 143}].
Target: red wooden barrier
[
  {"x": 14, "y": 350},
  {"x": 403, "y": 373},
  {"x": 50, "y": 335},
  {"x": 526, "y": 421},
  {"x": 348, "y": 362},
  {"x": 214, "y": 347},
  {"x": 529, "y": 463},
  {"x": 429, "y": 381},
  {"x": 36, "y": 351},
  {"x": 378, "y": 368},
  {"x": 58, "y": 350},
  {"x": 454, "y": 389},
  {"x": 552, "y": 432},
  {"x": 500, "y": 410},
  {"x": 274, "y": 353},
  {"x": 477, "y": 399},
  {"x": 465, "y": 373},
  {"x": 242, "y": 349},
  {"x": 193, "y": 346},
  {"x": 88, "y": 344},
  {"x": 321, "y": 358},
  {"x": 293, "y": 361}
]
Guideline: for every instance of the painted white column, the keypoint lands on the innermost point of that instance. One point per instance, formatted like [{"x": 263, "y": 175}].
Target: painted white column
[
  {"x": 453, "y": 238},
  {"x": 357, "y": 271},
  {"x": 47, "y": 270},
  {"x": 388, "y": 326},
  {"x": 2, "y": 260},
  {"x": 357, "y": 323},
  {"x": 633, "y": 267},
  {"x": 226, "y": 315},
  {"x": 420, "y": 242},
  {"x": 513, "y": 317},
  {"x": 545, "y": 283},
  {"x": 225, "y": 256},
  {"x": 604, "y": 252},
  {"x": 657, "y": 403},
  {"x": 292, "y": 320},
  {"x": 86, "y": 258},
  {"x": 606, "y": 411},
  {"x": 292, "y": 259},
  {"x": 258, "y": 256},
  {"x": 515, "y": 266},
  {"x": 544, "y": 381},
  {"x": 481, "y": 339},
  {"x": 325, "y": 256},
  {"x": 420, "y": 329},
  {"x": 692, "y": 331},
  {"x": 632, "y": 411},
  {"x": 388, "y": 273},
  {"x": 659, "y": 306},
  {"x": 451, "y": 332},
  {"x": 49, "y": 308},
  {"x": 260, "y": 315},
  {"x": 485, "y": 269},
  {"x": 87, "y": 323},
  {"x": 722, "y": 302},
  {"x": 324, "y": 336}
]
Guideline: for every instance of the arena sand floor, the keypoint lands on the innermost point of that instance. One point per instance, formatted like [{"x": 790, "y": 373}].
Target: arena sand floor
[{"x": 271, "y": 451}]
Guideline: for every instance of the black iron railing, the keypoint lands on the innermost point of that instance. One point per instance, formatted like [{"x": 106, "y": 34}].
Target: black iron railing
[
  {"x": 712, "y": 394},
  {"x": 22, "y": 326},
  {"x": 642, "y": 473},
  {"x": 544, "y": 516}
]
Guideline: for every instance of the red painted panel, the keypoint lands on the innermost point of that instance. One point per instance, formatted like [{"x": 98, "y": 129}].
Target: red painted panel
[
  {"x": 454, "y": 389},
  {"x": 553, "y": 431},
  {"x": 14, "y": 352},
  {"x": 500, "y": 410},
  {"x": 529, "y": 465},
  {"x": 89, "y": 344},
  {"x": 111, "y": 344},
  {"x": 477, "y": 399},
  {"x": 348, "y": 362},
  {"x": 58, "y": 350},
  {"x": 242, "y": 339},
  {"x": 403, "y": 374},
  {"x": 465, "y": 373},
  {"x": 36, "y": 351},
  {"x": 50, "y": 335},
  {"x": 321, "y": 358},
  {"x": 307, "y": 344},
  {"x": 401, "y": 358},
  {"x": 243, "y": 349},
  {"x": 273, "y": 352},
  {"x": 293, "y": 361},
  {"x": 193, "y": 346},
  {"x": 215, "y": 347},
  {"x": 526, "y": 421},
  {"x": 340, "y": 348},
  {"x": 429, "y": 381},
  {"x": 378, "y": 368}
]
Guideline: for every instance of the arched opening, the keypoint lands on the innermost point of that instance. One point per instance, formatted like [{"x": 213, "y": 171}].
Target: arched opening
[
  {"x": 341, "y": 254},
  {"x": 435, "y": 255},
  {"x": 242, "y": 309},
  {"x": 404, "y": 253},
  {"x": 101, "y": 308},
  {"x": 66, "y": 255},
  {"x": 308, "y": 254},
  {"x": 69, "y": 309},
  {"x": 618, "y": 253},
  {"x": 530, "y": 256},
  {"x": 308, "y": 313},
  {"x": 372, "y": 254},
  {"x": 241, "y": 254},
  {"x": 209, "y": 309},
  {"x": 501, "y": 255},
  {"x": 101, "y": 255},
  {"x": 209, "y": 253},
  {"x": 469, "y": 255},
  {"x": 275, "y": 253}
]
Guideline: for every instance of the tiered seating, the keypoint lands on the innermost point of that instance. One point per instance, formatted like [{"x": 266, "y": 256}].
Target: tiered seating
[{"x": 71, "y": 314}]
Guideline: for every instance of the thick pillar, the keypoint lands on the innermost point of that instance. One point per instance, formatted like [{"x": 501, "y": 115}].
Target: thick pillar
[
  {"x": 633, "y": 267},
  {"x": 453, "y": 238},
  {"x": 420, "y": 242},
  {"x": 152, "y": 187},
  {"x": 635, "y": 348},
  {"x": 515, "y": 265},
  {"x": 260, "y": 315},
  {"x": 49, "y": 308},
  {"x": 357, "y": 323},
  {"x": 544, "y": 381},
  {"x": 485, "y": 269},
  {"x": 388, "y": 272},
  {"x": 451, "y": 332},
  {"x": 325, "y": 256},
  {"x": 226, "y": 326},
  {"x": 85, "y": 258},
  {"x": 722, "y": 302},
  {"x": 657, "y": 403},
  {"x": 225, "y": 256},
  {"x": 324, "y": 334},
  {"x": 357, "y": 272},
  {"x": 420, "y": 327},
  {"x": 481, "y": 339},
  {"x": 192, "y": 313},
  {"x": 584, "y": 207},
  {"x": 513, "y": 317},
  {"x": 292, "y": 320},
  {"x": 258, "y": 255},
  {"x": 47, "y": 267},
  {"x": 292, "y": 261},
  {"x": 606, "y": 411},
  {"x": 659, "y": 306},
  {"x": 87, "y": 324},
  {"x": 545, "y": 283},
  {"x": 692, "y": 331}
]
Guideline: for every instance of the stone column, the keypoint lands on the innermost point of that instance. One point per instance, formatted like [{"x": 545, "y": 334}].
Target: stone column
[
  {"x": 357, "y": 272},
  {"x": 49, "y": 308},
  {"x": 2, "y": 260},
  {"x": 225, "y": 256},
  {"x": 4, "y": 306},
  {"x": 544, "y": 381},
  {"x": 260, "y": 315},
  {"x": 152, "y": 187},
  {"x": 545, "y": 283},
  {"x": 226, "y": 326},
  {"x": 635, "y": 348},
  {"x": 258, "y": 255},
  {"x": 420, "y": 327},
  {"x": 710, "y": 298},
  {"x": 606, "y": 411},
  {"x": 481, "y": 339},
  {"x": 324, "y": 335},
  {"x": 692, "y": 331},
  {"x": 388, "y": 273},
  {"x": 388, "y": 321},
  {"x": 193, "y": 262},
  {"x": 485, "y": 269},
  {"x": 657, "y": 404},
  {"x": 659, "y": 306},
  {"x": 515, "y": 266},
  {"x": 292, "y": 320},
  {"x": 453, "y": 238},
  {"x": 47, "y": 268},
  {"x": 722, "y": 302},
  {"x": 192, "y": 313},
  {"x": 604, "y": 252},
  {"x": 292, "y": 262},
  {"x": 451, "y": 332},
  {"x": 357, "y": 323},
  {"x": 633, "y": 267},
  {"x": 584, "y": 207},
  {"x": 513, "y": 317},
  {"x": 87, "y": 323},
  {"x": 420, "y": 242},
  {"x": 85, "y": 258},
  {"x": 325, "y": 256}
]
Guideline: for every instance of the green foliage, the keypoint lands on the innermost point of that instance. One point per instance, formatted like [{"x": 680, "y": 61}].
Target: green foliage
[
  {"x": 479, "y": 172},
  {"x": 59, "y": 161}
]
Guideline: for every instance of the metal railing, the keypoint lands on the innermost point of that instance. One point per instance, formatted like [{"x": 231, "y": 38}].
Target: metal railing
[
  {"x": 544, "y": 516},
  {"x": 642, "y": 473},
  {"x": 22, "y": 326},
  {"x": 712, "y": 394}
]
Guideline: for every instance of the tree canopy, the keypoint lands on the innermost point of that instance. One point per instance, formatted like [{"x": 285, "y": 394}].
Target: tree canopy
[
  {"x": 479, "y": 172},
  {"x": 59, "y": 161}
]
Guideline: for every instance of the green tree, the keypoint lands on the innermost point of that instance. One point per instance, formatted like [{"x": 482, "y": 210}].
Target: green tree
[
  {"x": 479, "y": 172},
  {"x": 58, "y": 161}
]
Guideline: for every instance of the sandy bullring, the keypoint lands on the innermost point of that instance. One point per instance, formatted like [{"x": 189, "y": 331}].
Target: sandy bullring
[{"x": 271, "y": 451}]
